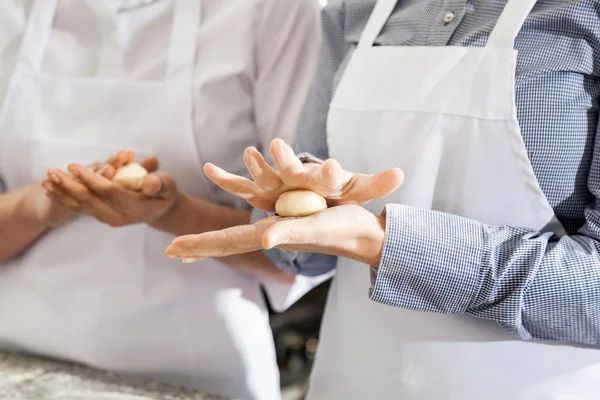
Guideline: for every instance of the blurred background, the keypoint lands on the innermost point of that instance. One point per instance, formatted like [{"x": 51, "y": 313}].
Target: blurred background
[{"x": 296, "y": 334}]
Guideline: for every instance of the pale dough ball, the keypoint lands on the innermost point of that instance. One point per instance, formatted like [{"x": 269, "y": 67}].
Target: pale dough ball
[
  {"x": 131, "y": 176},
  {"x": 299, "y": 203}
]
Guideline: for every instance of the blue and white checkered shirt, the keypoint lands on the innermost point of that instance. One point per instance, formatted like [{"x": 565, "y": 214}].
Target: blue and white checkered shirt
[{"x": 535, "y": 285}]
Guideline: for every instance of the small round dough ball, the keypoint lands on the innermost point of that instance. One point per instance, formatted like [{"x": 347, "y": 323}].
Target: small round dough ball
[
  {"x": 299, "y": 203},
  {"x": 131, "y": 176}
]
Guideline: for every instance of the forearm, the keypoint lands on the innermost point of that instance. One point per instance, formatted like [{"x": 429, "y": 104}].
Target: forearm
[
  {"x": 19, "y": 226},
  {"x": 191, "y": 215},
  {"x": 532, "y": 284}
]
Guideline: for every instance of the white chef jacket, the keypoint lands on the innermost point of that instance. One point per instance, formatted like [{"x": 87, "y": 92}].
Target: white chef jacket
[
  {"x": 255, "y": 60},
  {"x": 264, "y": 51}
]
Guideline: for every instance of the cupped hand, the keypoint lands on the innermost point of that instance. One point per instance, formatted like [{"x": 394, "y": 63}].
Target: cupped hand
[
  {"x": 46, "y": 208},
  {"x": 329, "y": 180},
  {"x": 93, "y": 193},
  {"x": 347, "y": 230}
]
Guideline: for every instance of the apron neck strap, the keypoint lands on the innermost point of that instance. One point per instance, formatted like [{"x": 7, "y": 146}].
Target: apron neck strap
[
  {"x": 382, "y": 11},
  {"x": 510, "y": 23},
  {"x": 182, "y": 48},
  {"x": 503, "y": 36},
  {"x": 181, "y": 56},
  {"x": 36, "y": 35}
]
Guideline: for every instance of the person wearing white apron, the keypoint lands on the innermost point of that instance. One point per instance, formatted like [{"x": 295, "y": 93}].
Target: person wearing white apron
[
  {"x": 185, "y": 81},
  {"x": 469, "y": 252}
]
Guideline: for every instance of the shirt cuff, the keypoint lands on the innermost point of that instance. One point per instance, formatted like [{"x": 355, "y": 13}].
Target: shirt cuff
[{"x": 431, "y": 261}]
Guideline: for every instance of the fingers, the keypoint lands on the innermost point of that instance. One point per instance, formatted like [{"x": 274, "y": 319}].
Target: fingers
[
  {"x": 55, "y": 193},
  {"x": 385, "y": 183},
  {"x": 83, "y": 199},
  {"x": 328, "y": 178},
  {"x": 107, "y": 171},
  {"x": 289, "y": 230},
  {"x": 290, "y": 168},
  {"x": 234, "y": 184},
  {"x": 121, "y": 158},
  {"x": 230, "y": 241},
  {"x": 263, "y": 174},
  {"x": 160, "y": 184},
  {"x": 363, "y": 188},
  {"x": 150, "y": 164},
  {"x": 98, "y": 184},
  {"x": 70, "y": 186}
]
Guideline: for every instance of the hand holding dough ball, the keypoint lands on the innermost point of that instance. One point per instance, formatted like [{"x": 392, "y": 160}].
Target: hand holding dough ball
[
  {"x": 299, "y": 203},
  {"x": 131, "y": 176}
]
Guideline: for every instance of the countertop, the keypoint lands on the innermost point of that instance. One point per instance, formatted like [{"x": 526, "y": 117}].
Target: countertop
[{"x": 24, "y": 377}]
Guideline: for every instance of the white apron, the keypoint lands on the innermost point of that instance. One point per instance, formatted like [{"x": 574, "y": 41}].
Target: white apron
[
  {"x": 447, "y": 117},
  {"x": 107, "y": 297}
]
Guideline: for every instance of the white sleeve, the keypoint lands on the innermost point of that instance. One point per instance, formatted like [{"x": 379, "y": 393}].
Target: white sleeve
[{"x": 287, "y": 51}]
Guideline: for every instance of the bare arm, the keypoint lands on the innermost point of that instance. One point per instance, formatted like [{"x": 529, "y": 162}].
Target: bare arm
[{"x": 20, "y": 222}]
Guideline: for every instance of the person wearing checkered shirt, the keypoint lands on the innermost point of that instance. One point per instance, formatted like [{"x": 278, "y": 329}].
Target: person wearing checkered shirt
[{"x": 490, "y": 292}]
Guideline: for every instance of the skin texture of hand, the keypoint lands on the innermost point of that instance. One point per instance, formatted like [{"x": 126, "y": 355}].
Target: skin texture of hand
[
  {"x": 159, "y": 204},
  {"x": 96, "y": 195},
  {"x": 348, "y": 231},
  {"x": 329, "y": 180},
  {"x": 344, "y": 229}
]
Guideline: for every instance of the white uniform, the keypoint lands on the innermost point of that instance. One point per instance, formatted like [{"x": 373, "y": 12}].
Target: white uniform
[
  {"x": 188, "y": 81},
  {"x": 447, "y": 117}
]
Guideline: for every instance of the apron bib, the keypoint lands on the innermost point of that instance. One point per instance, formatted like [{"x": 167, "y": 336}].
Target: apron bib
[
  {"x": 107, "y": 297},
  {"x": 447, "y": 117}
]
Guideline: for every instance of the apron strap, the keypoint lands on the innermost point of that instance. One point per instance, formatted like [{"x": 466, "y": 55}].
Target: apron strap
[
  {"x": 510, "y": 23},
  {"x": 182, "y": 48},
  {"x": 382, "y": 11},
  {"x": 110, "y": 58},
  {"x": 36, "y": 35}
]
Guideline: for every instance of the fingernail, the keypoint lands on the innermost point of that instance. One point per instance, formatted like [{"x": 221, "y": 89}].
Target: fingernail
[
  {"x": 252, "y": 161},
  {"x": 171, "y": 256},
  {"x": 189, "y": 260}
]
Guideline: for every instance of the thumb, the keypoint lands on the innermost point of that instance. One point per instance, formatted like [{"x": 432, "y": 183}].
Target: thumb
[
  {"x": 286, "y": 231},
  {"x": 159, "y": 184},
  {"x": 369, "y": 187}
]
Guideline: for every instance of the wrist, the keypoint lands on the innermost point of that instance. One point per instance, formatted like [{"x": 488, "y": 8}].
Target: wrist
[
  {"x": 376, "y": 239},
  {"x": 32, "y": 208},
  {"x": 369, "y": 244},
  {"x": 190, "y": 215},
  {"x": 169, "y": 218}
]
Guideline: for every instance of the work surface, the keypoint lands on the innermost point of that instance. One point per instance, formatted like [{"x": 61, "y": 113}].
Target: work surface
[{"x": 29, "y": 378}]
